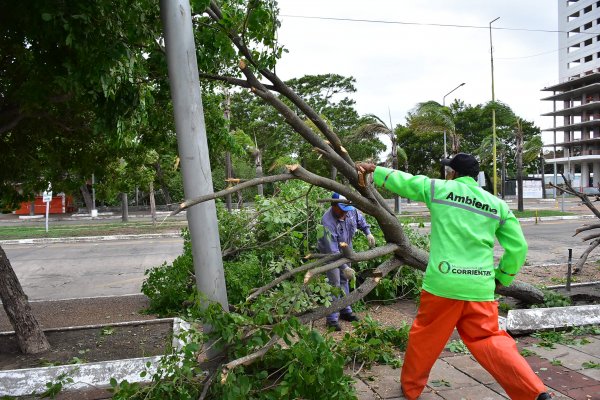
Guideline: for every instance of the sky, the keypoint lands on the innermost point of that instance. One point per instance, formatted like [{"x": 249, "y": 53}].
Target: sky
[{"x": 397, "y": 65}]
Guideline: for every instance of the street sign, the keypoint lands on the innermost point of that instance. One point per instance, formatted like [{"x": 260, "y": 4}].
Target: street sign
[{"x": 47, "y": 197}]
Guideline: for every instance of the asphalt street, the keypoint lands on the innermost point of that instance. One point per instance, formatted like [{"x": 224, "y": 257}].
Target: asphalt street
[{"x": 53, "y": 271}]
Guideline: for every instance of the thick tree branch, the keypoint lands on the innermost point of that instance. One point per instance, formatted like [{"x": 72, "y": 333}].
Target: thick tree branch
[
  {"x": 299, "y": 125},
  {"x": 580, "y": 263},
  {"x": 367, "y": 286},
  {"x": 232, "y": 81},
  {"x": 584, "y": 198},
  {"x": 586, "y": 228},
  {"x": 522, "y": 291},
  {"x": 590, "y": 237},
  {"x": 350, "y": 256},
  {"x": 282, "y": 88}
]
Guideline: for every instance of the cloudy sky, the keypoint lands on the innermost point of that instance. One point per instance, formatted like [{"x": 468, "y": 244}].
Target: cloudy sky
[{"x": 412, "y": 59}]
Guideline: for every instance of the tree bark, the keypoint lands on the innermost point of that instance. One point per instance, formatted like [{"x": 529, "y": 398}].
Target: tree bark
[
  {"x": 124, "y": 208},
  {"x": 87, "y": 198},
  {"x": 519, "y": 167},
  {"x": 259, "y": 170},
  {"x": 152, "y": 203},
  {"x": 543, "y": 174},
  {"x": 228, "y": 175},
  {"x": 163, "y": 186},
  {"x": 30, "y": 337}
]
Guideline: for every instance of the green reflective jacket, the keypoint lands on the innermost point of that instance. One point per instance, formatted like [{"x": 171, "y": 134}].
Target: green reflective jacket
[{"x": 465, "y": 220}]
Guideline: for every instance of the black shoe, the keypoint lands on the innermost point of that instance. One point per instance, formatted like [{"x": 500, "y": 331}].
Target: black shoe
[
  {"x": 333, "y": 326},
  {"x": 349, "y": 317},
  {"x": 544, "y": 396}
]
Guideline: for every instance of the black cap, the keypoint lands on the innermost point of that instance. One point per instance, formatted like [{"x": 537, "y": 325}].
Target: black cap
[{"x": 463, "y": 163}]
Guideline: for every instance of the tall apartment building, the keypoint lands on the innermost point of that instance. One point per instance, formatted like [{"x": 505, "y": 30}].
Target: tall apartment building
[{"x": 576, "y": 99}]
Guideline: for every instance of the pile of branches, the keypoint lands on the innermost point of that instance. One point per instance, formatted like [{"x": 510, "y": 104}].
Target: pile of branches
[{"x": 360, "y": 194}]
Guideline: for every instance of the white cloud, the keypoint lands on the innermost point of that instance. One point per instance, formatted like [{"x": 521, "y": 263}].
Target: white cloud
[{"x": 397, "y": 66}]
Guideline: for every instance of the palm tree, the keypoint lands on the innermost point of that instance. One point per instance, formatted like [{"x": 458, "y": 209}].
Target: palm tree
[
  {"x": 525, "y": 152},
  {"x": 431, "y": 116}
]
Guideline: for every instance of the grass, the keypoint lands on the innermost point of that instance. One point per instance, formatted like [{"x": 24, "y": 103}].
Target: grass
[
  {"x": 539, "y": 213},
  {"x": 57, "y": 230}
]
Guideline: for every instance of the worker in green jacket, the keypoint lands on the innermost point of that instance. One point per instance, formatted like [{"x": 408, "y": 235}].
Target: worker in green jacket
[{"x": 460, "y": 280}]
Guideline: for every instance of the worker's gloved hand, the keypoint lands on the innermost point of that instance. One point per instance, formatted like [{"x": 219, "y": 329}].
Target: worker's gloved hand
[
  {"x": 348, "y": 273},
  {"x": 371, "y": 240}
]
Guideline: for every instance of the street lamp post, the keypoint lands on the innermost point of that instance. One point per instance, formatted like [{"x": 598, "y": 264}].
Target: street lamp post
[
  {"x": 444, "y": 104},
  {"x": 493, "y": 112}
]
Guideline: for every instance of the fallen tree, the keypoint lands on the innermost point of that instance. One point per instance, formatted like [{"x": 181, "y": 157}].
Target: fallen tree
[
  {"x": 234, "y": 24},
  {"x": 315, "y": 130}
]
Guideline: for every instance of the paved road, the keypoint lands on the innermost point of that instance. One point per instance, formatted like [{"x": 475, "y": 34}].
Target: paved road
[
  {"x": 85, "y": 269},
  {"x": 107, "y": 268}
]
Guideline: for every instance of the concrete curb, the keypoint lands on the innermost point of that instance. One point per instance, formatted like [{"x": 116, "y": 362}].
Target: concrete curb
[
  {"x": 91, "y": 238},
  {"x": 23, "y": 382},
  {"x": 537, "y": 319}
]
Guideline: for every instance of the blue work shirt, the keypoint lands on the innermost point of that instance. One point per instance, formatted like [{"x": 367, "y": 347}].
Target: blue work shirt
[{"x": 336, "y": 231}]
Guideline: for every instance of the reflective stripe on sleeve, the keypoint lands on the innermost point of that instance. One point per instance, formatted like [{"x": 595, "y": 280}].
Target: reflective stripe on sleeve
[{"x": 462, "y": 206}]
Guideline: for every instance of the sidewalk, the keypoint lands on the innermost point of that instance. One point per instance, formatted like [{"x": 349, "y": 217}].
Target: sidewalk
[
  {"x": 459, "y": 376},
  {"x": 455, "y": 376}
]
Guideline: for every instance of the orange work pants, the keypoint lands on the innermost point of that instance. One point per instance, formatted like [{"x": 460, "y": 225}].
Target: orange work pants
[{"x": 477, "y": 324}]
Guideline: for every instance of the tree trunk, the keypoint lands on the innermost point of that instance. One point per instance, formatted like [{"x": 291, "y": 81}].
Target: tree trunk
[
  {"x": 161, "y": 178},
  {"x": 228, "y": 166},
  {"x": 30, "y": 337},
  {"x": 32, "y": 208},
  {"x": 519, "y": 168},
  {"x": 152, "y": 203},
  {"x": 124, "y": 208},
  {"x": 87, "y": 198},
  {"x": 228, "y": 175},
  {"x": 259, "y": 171},
  {"x": 543, "y": 174}
]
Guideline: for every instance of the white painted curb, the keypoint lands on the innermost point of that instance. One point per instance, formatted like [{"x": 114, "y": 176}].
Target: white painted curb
[{"x": 22, "y": 382}]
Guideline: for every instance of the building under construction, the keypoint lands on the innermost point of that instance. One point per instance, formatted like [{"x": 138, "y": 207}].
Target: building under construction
[{"x": 575, "y": 149}]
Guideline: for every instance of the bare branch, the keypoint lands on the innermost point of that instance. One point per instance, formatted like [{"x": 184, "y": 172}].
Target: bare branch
[
  {"x": 290, "y": 273},
  {"x": 250, "y": 183},
  {"x": 232, "y": 81},
  {"x": 248, "y": 359},
  {"x": 584, "y": 198},
  {"x": 586, "y": 228},
  {"x": 583, "y": 258},
  {"x": 590, "y": 237}
]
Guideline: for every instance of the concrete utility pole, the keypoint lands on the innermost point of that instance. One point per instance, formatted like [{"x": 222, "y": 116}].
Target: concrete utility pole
[
  {"x": 493, "y": 113},
  {"x": 193, "y": 149}
]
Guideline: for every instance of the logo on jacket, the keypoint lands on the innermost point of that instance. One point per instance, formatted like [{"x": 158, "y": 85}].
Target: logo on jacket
[
  {"x": 471, "y": 202},
  {"x": 445, "y": 267}
]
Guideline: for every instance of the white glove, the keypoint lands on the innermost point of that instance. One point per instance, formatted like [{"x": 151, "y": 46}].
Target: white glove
[
  {"x": 371, "y": 240},
  {"x": 348, "y": 273}
]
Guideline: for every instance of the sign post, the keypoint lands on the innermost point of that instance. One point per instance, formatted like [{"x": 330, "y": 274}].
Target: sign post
[{"x": 47, "y": 198}]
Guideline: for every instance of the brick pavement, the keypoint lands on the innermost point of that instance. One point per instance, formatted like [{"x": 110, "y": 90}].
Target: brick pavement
[{"x": 460, "y": 377}]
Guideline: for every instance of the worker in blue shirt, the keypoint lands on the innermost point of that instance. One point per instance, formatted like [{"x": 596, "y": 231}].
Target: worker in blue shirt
[{"x": 340, "y": 223}]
